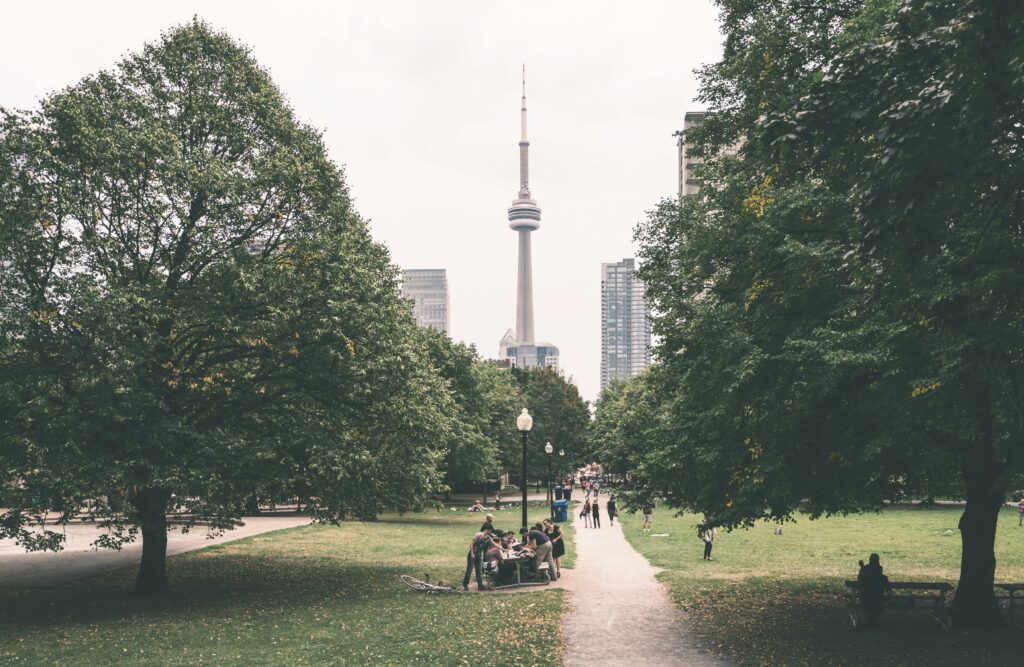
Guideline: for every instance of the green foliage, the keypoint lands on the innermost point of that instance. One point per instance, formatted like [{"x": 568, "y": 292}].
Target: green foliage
[
  {"x": 191, "y": 305},
  {"x": 627, "y": 421},
  {"x": 840, "y": 306},
  {"x": 560, "y": 416},
  {"x": 486, "y": 402}
]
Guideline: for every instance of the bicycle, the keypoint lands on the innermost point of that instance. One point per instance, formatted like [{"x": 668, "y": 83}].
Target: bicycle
[{"x": 426, "y": 586}]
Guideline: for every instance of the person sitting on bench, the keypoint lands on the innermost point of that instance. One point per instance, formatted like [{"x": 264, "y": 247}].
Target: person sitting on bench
[{"x": 873, "y": 584}]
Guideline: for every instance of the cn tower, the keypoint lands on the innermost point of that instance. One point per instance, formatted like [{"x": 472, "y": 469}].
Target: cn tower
[
  {"x": 521, "y": 347},
  {"x": 524, "y": 217}
]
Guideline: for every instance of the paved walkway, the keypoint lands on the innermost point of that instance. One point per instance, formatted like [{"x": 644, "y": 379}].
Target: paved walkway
[
  {"x": 78, "y": 560},
  {"x": 620, "y": 614}
]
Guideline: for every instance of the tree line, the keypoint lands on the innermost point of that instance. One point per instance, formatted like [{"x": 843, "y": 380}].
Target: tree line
[
  {"x": 839, "y": 309},
  {"x": 195, "y": 319}
]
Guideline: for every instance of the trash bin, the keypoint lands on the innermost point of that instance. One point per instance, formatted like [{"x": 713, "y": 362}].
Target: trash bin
[
  {"x": 561, "y": 508},
  {"x": 558, "y": 492}
]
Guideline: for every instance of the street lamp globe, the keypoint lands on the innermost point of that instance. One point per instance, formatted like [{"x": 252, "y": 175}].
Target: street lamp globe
[
  {"x": 561, "y": 452},
  {"x": 524, "y": 422},
  {"x": 548, "y": 448}
]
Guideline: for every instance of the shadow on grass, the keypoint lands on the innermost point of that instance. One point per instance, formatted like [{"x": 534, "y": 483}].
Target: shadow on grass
[
  {"x": 805, "y": 622},
  {"x": 206, "y": 583}
]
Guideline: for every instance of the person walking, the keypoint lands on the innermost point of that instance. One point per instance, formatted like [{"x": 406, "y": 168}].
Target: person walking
[
  {"x": 595, "y": 509},
  {"x": 612, "y": 511},
  {"x": 708, "y": 536},
  {"x": 557, "y": 537},
  {"x": 648, "y": 516},
  {"x": 585, "y": 512},
  {"x": 1020, "y": 512}
]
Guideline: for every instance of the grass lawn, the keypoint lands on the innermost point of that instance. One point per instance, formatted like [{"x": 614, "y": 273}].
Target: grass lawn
[
  {"x": 314, "y": 595},
  {"x": 779, "y": 600}
]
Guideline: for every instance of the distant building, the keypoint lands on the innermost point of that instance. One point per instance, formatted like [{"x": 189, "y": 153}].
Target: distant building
[
  {"x": 513, "y": 354},
  {"x": 428, "y": 288},
  {"x": 688, "y": 184},
  {"x": 625, "y": 322}
]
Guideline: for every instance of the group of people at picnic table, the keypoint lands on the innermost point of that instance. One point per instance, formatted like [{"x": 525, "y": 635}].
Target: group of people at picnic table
[{"x": 543, "y": 543}]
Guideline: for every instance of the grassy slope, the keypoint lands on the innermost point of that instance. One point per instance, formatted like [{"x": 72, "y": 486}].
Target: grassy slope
[
  {"x": 307, "y": 596},
  {"x": 780, "y": 600}
]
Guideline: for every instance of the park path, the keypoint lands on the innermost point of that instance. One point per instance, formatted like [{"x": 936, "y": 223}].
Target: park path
[
  {"x": 78, "y": 560},
  {"x": 619, "y": 613}
]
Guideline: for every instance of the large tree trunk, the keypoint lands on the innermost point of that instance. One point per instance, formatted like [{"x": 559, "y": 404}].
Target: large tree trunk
[
  {"x": 152, "y": 507},
  {"x": 975, "y": 603}
]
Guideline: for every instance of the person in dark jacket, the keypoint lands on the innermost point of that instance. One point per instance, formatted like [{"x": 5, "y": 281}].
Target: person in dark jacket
[
  {"x": 611, "y": 511},
  {"x": 872, "y": 584},
  {"x": 557, "y": 537},
  {"x": 475, "y": 558},
  {"x": 595, "y": 509}
]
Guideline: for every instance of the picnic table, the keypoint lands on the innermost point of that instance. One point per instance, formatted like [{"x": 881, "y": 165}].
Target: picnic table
[
  {"x": 521, "y": 559},
  {"x": 1012, "y": 599},
  {"x": 906, "y": 594}
]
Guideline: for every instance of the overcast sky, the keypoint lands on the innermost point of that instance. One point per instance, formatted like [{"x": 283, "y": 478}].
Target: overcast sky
[{"x": 419, "y": 100}]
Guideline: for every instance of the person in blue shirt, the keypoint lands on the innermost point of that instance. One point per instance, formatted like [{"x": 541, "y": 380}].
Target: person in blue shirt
[{"x": 541, "y": 545}]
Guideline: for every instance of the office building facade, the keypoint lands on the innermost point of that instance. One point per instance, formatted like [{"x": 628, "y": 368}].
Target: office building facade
[
  {"x": 428, "y": 289},
  {"x": 625, "y": 322}
]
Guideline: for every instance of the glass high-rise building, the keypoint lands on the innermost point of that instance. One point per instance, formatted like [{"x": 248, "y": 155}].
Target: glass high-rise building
[
  {"x": 625, "y": 322},
  {"x": 428, "y": 288}
]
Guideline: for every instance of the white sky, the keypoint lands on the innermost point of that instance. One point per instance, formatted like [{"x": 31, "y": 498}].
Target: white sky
[{"x": 419, "y": 101}]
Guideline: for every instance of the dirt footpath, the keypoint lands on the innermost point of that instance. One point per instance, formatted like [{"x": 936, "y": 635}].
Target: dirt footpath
[{"x": 619, "y": 613}]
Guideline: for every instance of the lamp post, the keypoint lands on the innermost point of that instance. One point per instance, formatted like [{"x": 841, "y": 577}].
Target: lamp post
[
  {"x": 561, "y": 466},
  {"x": 551, "y": 496},
  {"x": 524, "y": 422}
]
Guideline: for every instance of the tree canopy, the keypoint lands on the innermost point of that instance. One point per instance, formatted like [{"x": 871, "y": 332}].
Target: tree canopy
[
  {"x": 486, "y": 401},
  {"x": 193, "y": 312},
  {"x": 560, "y": 416},
  {"x": 839, "y": 308}
]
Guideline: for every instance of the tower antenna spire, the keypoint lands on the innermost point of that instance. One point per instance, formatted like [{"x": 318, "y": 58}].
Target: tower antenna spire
[{"x": 524, "y": 81}]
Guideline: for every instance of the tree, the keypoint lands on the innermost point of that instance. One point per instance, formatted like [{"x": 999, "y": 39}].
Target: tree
[
  {"x": 560, "y": 416},
  {"x": 486, "y": 402},
  {"x": 193, "y": 311},
  {"x": 840, "y": 305},
  {"x": 628, "y": 417}
]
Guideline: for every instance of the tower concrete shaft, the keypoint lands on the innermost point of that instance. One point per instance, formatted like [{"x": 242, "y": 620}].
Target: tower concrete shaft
[
  {"x": 524, "y": 217},
  {"x": 524, "y": 291}
]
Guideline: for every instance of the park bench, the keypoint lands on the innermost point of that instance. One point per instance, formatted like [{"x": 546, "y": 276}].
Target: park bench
[
  {"x": 1014, "y": 597},
  {"x": 906, "y": 594}
]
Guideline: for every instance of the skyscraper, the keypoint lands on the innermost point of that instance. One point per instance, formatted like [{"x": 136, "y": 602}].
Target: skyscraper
[
  {"x": 428, "y": 288},
  {"x": 521, "y": 345},
  {"x": 625, "y": 323}
]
